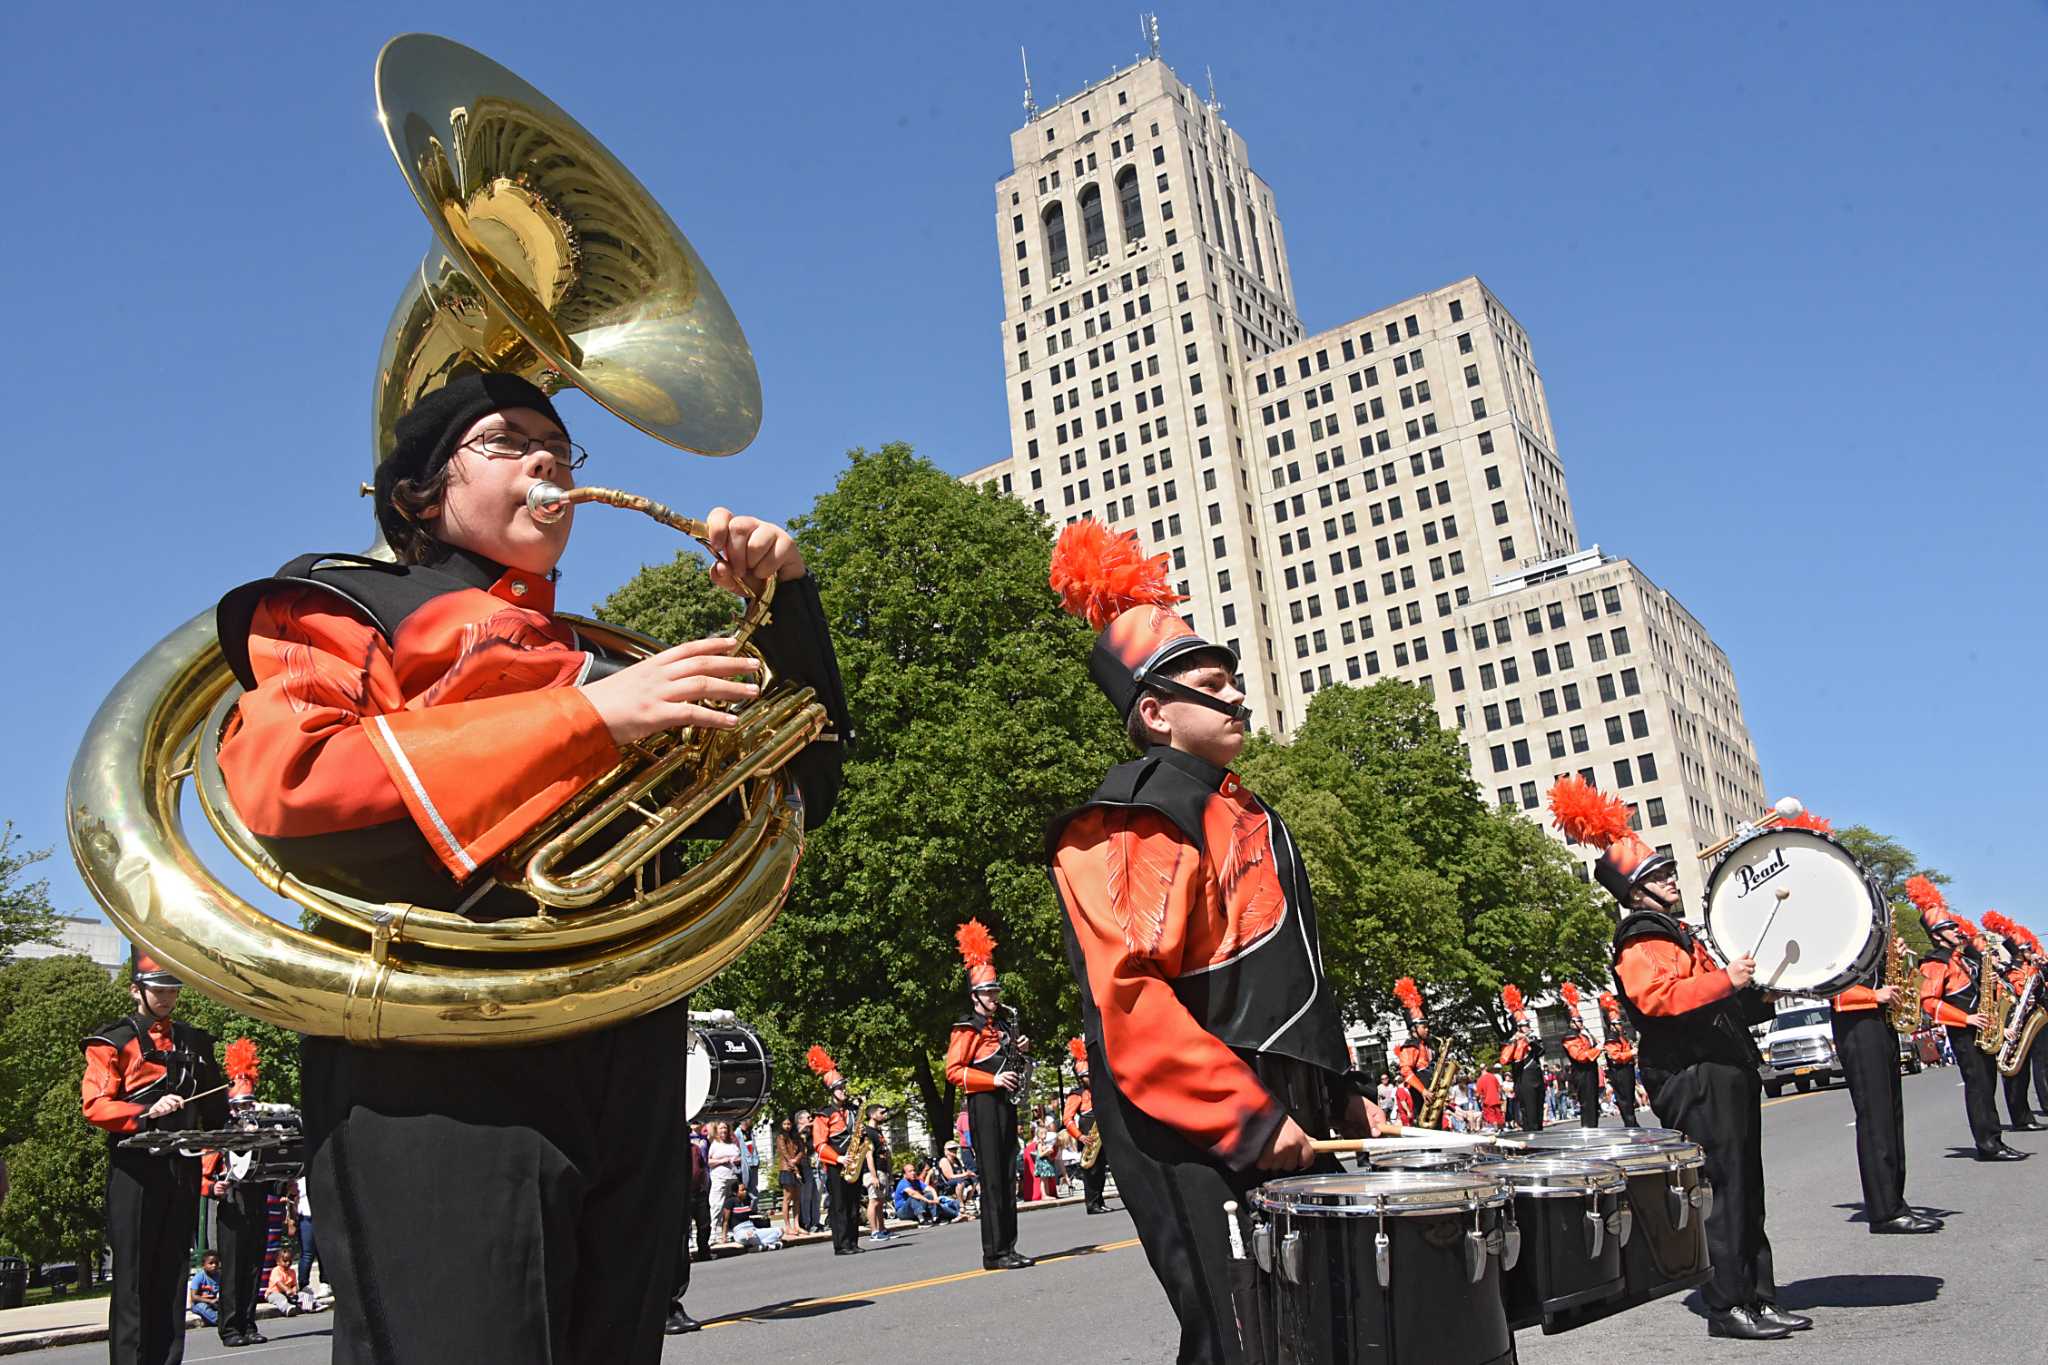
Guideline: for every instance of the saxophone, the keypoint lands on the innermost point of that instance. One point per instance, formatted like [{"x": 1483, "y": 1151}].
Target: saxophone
[
  {"x": 853, "y": 1163},
  {"x": 1091, "y": 1147},
  {"x": 1431, "y": 1112},
  {"x": 1994, "y": 999},
  {"x": 2027, "y": 1019},
  {"x": 1903, "y": 1014}
]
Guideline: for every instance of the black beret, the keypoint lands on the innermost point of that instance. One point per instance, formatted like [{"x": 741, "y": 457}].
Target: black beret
[{"x": 426, "y": 435}]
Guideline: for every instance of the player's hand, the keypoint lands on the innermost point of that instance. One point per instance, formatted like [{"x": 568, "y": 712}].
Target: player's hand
[
  {"x": 169, "y": 1104},
  {"x": 1979, "y": 1021},
  {"x": 1287, "y": 1150},
  {"x": 666, "y": 691},
  {"x": 1742, "y": 970},
  {"x": 749, "y": 547},
  {"x": 1886, "y": 994},
  {"x": 1010, "y": 1080}
]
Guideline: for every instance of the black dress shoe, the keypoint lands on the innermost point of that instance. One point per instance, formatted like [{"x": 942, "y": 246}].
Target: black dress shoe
[
  {"x": 846, "y": 1251},
  {"x": 1744, "y": 1325},
  {"x": 2000, "y": 1153},
  {"x": 1098, "y": 1208},
  {"x": 1778, "y": 1317},
  {"x": 1010, "y": 1260},
  {"x": 251, "y": 1339},
  {"x": 2026, "y": 1127},
  {"x": 231, "y": 1338},
  {"x": 680, "y": 1322},
  {"x": 1908, "y": 1222}
]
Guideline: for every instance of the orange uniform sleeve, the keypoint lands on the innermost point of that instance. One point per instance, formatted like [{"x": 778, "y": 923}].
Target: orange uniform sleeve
[
  {"x": 1408, "y": 1058},
  {"x": 1581, "y": 1048},
  {"x": 1661, "y": 979},
  {"x": 1073, "y": 1108},
  {"x": 1933, "y": 978},
  {"x": 821, "y": 1140},
  {"x": 959, "y": 1056},
  {"x": 1130, "y": 882},
  {"x": 1856, "y": 998},
  {"x": 100, "y": 1089},
  {"x": 327, "y": 742}
]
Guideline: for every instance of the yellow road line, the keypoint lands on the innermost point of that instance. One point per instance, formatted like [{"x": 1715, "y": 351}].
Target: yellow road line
[
  {"x": 804, "y": 1305},
  {"x": 1787, "y": 1099}
]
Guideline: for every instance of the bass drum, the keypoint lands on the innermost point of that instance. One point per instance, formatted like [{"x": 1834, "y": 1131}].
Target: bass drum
[
  {"x": 1814, "y": 916},
  {"x": 726, "y": 1074}
]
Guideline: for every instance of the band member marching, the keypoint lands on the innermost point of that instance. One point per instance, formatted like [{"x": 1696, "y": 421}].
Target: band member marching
[
  {"x": 139, "y": 1073},
  {"x": 1621, "y": 1059},
  {"x": 241, "y": 1216},
  {"x": 1522, "y": 1055},
  {"x": 401, "y": 726},
  {"x": 833, "y": 1130},
  {"x": 2037, "y": 1053},
  {"x": 1869, "y": 1049},
  {"x": 1081, "y": 1127},
  {"x": 1416, "y": 1056},
  {"x": 1585, "y": 1059},
  {"x": 2015, "y": 1085},
  {"x": 1949, "y": 984},
  {"x": 1698, "y": 1060},
  {"x": 1216, "y": 1049},
  {"x": 985, "y": 1059}
]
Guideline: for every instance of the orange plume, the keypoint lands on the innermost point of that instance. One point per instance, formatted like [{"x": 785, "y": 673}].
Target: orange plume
[
  {"x": 1968, "y": 929},
  {"x": 819, "y": 1060},
  {"x": 976, "y": 946},
  {"x": 1806, "y": 819},
  {"x": 240, "y": 1060},
  {"x": 1925, "y": 894},
  {"x": 1586, "y": 814},
  {"x": 1570, "y": 993},
  {"x": 1410, "y": 996},
  {"x": 1511, "y": 996},
  {"x": 1099, "y": 574},
  {"x": 1610, "y": 1005},
  {"x": 1997, "y": 923},
  {"x": 1078, "y": 1050}
]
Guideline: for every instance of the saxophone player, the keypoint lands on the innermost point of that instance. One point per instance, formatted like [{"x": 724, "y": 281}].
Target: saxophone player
[
  {"x": 834, "y": 1130},
  {"x": 1081, "y": 1127},
  {"x": 1869, "y": 1049},
  {"x": 1415, "y": 1057},
  {"x": 1950, "y": 977},
  {"x": 984, "y": 1059},
  {"x": 1584, "y": 1055}
]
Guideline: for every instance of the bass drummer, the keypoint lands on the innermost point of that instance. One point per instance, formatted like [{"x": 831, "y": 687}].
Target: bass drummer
[{"x": 1697, "y": 1056}]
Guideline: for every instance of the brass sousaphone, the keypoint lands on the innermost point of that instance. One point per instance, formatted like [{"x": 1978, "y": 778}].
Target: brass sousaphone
[{"x": 551, "y": 261}]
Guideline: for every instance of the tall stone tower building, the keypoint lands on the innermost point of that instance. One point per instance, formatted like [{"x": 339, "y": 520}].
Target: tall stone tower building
[{"x": 1381, "y": 499}]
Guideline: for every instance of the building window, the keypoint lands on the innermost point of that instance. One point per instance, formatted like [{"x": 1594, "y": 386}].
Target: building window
[
  {"x": 1129, "y": 206},
  {"x": 1093, "y": 228},
  {"x": 1655, "y": 807},
  {"x": 1623, "y": 777},
  {"x": 1579, "y": 742},
  {"x": 1056, "y": 240}
]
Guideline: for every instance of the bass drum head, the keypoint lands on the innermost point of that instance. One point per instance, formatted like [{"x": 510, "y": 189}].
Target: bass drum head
[
  {"x": 726, "y": 1075},
  {"x": 1829, "y": 927}
]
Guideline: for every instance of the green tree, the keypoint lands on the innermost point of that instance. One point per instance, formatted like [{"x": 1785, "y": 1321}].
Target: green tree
[
  {"x": 56, "y": 1201},
  {"x": 974, "y": 721},
  {"x": 277, "y": 1049},
  {"x": 1891, "y": 862},
  {"x": 26, "y": 914}
]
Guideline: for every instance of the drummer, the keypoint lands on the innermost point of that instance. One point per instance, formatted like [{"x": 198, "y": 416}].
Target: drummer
[{"x": 1697, "y": 1057}]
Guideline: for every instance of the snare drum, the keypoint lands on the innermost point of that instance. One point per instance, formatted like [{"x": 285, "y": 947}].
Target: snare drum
[
  {"x": 726, "y": 1074},
  {"x": 1437, "y": 1159},
  {"x": 1574, "y": 1217},
  {"x": 1668, "y": 1199},
  {"x": 1384, "y": 1268},
  {"x": 1829, "y": 929}
]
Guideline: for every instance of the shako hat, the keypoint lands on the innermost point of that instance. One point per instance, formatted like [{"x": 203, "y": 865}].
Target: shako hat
[
  {"x": 978, "y": 951},
  {"x": 1611, "y": 1007},
  {"x": 240, "y": 1063},
  {"x": 827, "y": 1070},
  {"x": 1570, "y": 991},
  {"x": 1512, "y": 1000},
  {"x": 145, "y": 970},
  {"x": 1410, "y": 996},
  {"x": 1588, "y": 815},
  {"x": 1105, "y": 577},
  {"x": 1933, "y": 907},
  {"x": 1078, "y": 1050}
]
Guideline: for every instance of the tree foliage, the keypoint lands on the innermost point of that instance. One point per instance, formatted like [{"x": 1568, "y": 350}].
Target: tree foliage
[
  {"x": 26, "y": 914},
  {"x": 1891, "y": 862},
  {"x": 974, "y": 723}
]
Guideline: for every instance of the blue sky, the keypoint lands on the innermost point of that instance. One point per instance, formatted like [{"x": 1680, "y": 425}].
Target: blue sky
[{"x": 1782, "y": 273}]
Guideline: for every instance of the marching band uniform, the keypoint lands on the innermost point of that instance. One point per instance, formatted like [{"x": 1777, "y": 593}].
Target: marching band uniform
[
  {"x": 1191, "y": 932},
  {"x": 401, "y": 726},
  {"x": 241, "y": 1218},
  {"x": 1869, "y": 1050},
  {"x": 1948, "y": 995},
  {"x": 1621, "y": 1059},
  {"x": 1584, "y": 1054},
  {"x": 1698, "y": 1058},
  {"x": 832, "y": 1132},
  {"x": 1080, "y": 1122},
  {"x": 1522, "y": 1055},
  {"x": 981, "y": 1047},
  {"x": 1415, "y": 1058},
  {"x": 2015, "y": 1085},
  {"x": 152, "y": 1201}
]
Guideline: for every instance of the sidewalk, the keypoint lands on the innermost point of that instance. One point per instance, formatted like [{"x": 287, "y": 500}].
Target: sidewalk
[{"x": 73, "y": 1322}]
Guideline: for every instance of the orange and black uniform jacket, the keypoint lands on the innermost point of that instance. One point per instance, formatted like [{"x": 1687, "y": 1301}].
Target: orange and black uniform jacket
[
  {"x": 1080, "y": 1108},
  {"x": 829, "y": 1138},
  {"x": 419, "y": 721},
  {"x": 1415, "y": 1060},
  {"x": 971, "y": 1051},
  {"x": 1581, "y": 1049},
  {"x": 1517, "y": 1049},
  {"x": 1948, "y": 986},
  {"x": 1681, "y": 1002},
  {"x": 1192, "y": 932},
  {"x": 1619, "y": 1051},
  {"x": 131, "y": 1064},
  {"x": 1853, "y": 999}
]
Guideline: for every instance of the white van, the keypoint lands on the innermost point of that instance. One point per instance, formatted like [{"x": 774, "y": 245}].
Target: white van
[{"x": 1799, "y": 1049}]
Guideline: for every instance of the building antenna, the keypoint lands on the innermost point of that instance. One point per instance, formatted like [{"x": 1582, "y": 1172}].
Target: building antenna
[
  {"x": 1030, "y": 104},
  {"x": 1215, "y": 105},
  {"x": 1148, "y": 25}
]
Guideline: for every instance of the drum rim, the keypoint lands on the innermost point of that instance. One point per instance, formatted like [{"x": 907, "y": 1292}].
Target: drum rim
[
  {"x": 1600, "y": 1176},
  {"x": 1880, "y": 912},
  {"x": 1456, "y": 1191}
]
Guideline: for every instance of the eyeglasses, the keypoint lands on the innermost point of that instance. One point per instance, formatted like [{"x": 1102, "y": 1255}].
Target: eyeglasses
[{"x": 511, "y": 445}]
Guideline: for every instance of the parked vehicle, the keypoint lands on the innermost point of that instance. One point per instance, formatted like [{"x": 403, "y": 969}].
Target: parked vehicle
[{"x": 1799, "y": 1049}]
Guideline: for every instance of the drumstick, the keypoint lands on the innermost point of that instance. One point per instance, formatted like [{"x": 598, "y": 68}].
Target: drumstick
[
  {"x": 1777, "y": 905},
  {"x": 1419, "y": 1143}
]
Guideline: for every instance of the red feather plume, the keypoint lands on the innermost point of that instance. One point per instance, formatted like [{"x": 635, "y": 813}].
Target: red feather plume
[
  {"x": 1078, "y": 1050},
  {"x": 1511, "y": 996},
  {"x": 976, "y": 946},
  {"x": 1967, "y": 929},
  {"x": 1806, "y": 819},
  {"x": 1998, "y": 923},
  {"x": 1570, "y": 993},
  {"x": 1410, "y": 996},
  {"x": 819, "y": 1060},
  {"x": 1610, "y": 1005},
  {"x": 1925, "y": 894},
  {"x": 1099, "y": 574},
  {"x": 240, "y": 1060},
  {"x": 1586, "y": 814}
]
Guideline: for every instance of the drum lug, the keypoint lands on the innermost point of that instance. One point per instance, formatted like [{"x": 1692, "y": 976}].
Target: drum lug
[
  {"x": 1290, "y": 1257},
  {"x": 1262, "y": 1245},
  {"x": 1621, "y": 1223},
  {"x": 1511, "y": 1241},
  {"x": 1681, "y": 1204},
  {"x": 1382, "y": 1258},
  {"x": 1596, "y": 1228},
  {"x": 1703, "y": 1198},
  {"x": 1475, "y": 1250}
]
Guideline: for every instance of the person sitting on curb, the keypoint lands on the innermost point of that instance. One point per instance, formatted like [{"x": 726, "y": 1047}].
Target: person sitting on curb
[
  {"x": 282, "y": 1289},
  {"x": 205, "y": 1294},
  {"x": 915, "y": 1198}
]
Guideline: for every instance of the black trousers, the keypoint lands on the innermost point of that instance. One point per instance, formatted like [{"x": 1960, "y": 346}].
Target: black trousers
[
  {"x": 1093, "y": 1178},
  {"x": 992, "y": 1118},
  {"x": 1980, "y": 1087},
  {"x": 152, "y": 1212},
  {"x": 2037, "y": 1064},
  {"x": 1529, "y": 1096},
  {"x": 806, "y": 1197},
  {"x": 504, "y": 1204},
  {"x": 842, "y": 1209},
  {"x": 1586, "y": 1081},
  {"x": 1869, "y": 1050},
  {"x": 2016, "y": 1095},
  {"x": 1621, "y": 1078},
  {"x": 1720, "y": 1106},
  {"x": 242, "y": 1221}
]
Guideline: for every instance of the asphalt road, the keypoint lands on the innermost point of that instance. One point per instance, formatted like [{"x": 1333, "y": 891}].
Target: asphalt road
[{"x": 923, "y": 1300}]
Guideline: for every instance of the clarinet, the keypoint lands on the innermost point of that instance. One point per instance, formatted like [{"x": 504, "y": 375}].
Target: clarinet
[{"x": 1011, "y": 1056}]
